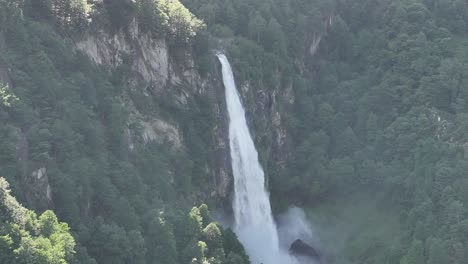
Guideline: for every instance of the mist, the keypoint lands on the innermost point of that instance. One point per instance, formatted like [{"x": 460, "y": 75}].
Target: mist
[{"x": 292, "y": 225}]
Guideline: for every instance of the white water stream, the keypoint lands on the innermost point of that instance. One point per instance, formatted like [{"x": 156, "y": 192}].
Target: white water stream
[{"x": 254, "y": 224}]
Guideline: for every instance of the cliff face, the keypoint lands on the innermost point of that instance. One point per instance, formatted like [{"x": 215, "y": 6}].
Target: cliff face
[
  {"x": 158, "y": 71},
  {"x": 265, "y": 108},
  {"x": 148, "y": 57}
]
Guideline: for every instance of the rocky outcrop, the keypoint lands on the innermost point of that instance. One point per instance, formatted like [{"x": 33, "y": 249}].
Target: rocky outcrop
[
  {"x": 223, "y": 171},
  {"x": 264, "y": 109},
  {"x": 302, "y": 250},
  {"x": 40, "y": 192},
  {"x": 315, "y": 44},
  {"x": 162, "y": 132},
  {"x": 147, "y": 56},
  {"x": 317, "y": 37},
  {"x": 156, "y": 72}
]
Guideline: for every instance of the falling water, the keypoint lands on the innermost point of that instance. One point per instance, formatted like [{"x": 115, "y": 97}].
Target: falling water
[{"x": 254, "y": 224}]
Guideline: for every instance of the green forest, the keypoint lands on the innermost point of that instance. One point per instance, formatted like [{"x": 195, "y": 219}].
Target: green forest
[{"x": 377, "y": 129}]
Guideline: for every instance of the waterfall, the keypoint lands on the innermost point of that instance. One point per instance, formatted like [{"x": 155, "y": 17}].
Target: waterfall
[{"x": 254, "y": 224}]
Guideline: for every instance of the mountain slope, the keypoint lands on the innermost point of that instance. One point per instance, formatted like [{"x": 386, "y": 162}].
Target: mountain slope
[
  {"x": 121, "y": 158},
  {"x": 120, "y": 122}
]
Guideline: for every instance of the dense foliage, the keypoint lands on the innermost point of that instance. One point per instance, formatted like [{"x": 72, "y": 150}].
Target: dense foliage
[
  {"x": 380, "y": 107},
  {"x": 26, "y": 238},
  {"x": 163, "y": 18},
  {"x": 64, "y": 143}
]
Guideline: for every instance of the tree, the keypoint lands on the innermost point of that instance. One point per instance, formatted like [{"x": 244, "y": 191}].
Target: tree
[
  {"x": 233, "y": 258},
  {"x": 160, "y": 240},
  {"x": 7, "y": 98},
  {"x": 415, "y": 254},
  {"x": 109, "y": 243},
  {"x": 212, "y": 236},
  {"x": 39, "y": 9},
  {"x": 24, "y": 238},
  {"x": 274, "y": 39},
  {"x": 232, "y": 245},
  {"x": 346, "y": 143},
  {"x": 437, "y": 251},
  {"x": 152, "y": 16},
  {"x": 120, "y": 12},
  {"x": 257, "y": 26},
  {"x": 205, "y": 215}
]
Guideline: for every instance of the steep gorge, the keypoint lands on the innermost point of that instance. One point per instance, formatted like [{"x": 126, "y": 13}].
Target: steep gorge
[
  {"x": 132, "y": 136},
  {"x": 156, "y": 72},
  {"x": 113, "y": 114}
]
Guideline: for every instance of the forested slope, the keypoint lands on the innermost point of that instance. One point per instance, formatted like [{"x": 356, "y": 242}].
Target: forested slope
[
  {"x": 344, "y": 98},
  {"x": 27, "y": 238},
  {"x": 71, "y": 142},
  {"x": 380, "y": 108}
]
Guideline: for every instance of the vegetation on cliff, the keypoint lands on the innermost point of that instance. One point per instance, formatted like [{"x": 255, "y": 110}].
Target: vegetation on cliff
[
  {"x": 380, "y": 108},
  {"x": 68, "y": 143},
  {"x": 378, "y": 105},
  {"x": 27, "y": 238}
]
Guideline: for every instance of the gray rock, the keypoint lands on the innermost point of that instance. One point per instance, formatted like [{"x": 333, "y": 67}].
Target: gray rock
[{"x": 303, "y": 250}]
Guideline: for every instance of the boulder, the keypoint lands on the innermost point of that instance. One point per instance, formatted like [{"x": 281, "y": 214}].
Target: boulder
[{"x": 300, "y": 248}]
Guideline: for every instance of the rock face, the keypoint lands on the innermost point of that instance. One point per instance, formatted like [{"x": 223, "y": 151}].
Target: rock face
[
  {"x": 158, "y": 72},
  {"x": 163, "y": 132},
  {"x": 301, "y": 249},
  {"x": 264, "y": 110},
  {"x": 39, "y": 190},
  {"x": 149, "y": 57}
]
